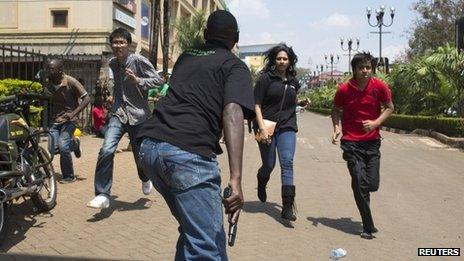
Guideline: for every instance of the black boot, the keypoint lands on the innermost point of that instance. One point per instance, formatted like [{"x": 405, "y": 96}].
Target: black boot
[
  {"x": 262, "y": 182},
  {"x": 288, "y": 200}
]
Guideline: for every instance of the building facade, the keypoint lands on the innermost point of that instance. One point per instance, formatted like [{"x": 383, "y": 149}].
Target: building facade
[
  {"x": 253, "y": 55},
  {"x": 82, "y": 27}
]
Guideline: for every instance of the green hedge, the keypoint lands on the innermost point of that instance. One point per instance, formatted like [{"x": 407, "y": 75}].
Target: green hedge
[
  {"x": 14, "y": 86},
  {"x": 453, "y": 127}
]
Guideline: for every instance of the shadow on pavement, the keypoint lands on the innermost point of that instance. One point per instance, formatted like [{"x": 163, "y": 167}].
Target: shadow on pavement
[
  {"x": 117, "y": 205},
  {"x": 21, "y": 257},
  {"x": 21, "y": 218},
  {"x": 344, "y": 224},
  {"x": 271, "y": 209}
]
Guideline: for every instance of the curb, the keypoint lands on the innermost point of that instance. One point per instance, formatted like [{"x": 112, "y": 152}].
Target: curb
[
  {"x": 398, "y": 131},
  {"x": 450, "y": 141}
]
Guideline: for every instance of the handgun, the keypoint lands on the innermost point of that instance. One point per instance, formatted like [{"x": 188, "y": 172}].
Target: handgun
[{"x": 232, "y": 227}]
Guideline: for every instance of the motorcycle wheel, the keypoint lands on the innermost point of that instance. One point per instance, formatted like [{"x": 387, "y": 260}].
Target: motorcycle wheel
[
  {"x": 3, "y": 221},
  {"x": 45, "y": 198}
]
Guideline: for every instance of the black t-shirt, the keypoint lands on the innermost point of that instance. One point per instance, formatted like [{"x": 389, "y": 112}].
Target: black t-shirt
[
  {"x": 269, "y": 90},
  {"x": 203, "y": 82}
]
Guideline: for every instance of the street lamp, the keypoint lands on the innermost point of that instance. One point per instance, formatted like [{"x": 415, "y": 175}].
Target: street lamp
[
  {"x": 379, "y": 13},
  {"x": 320, "y": 70},
  {"x": 349, "y": 49},
  {"x": 331, "y": 61}
]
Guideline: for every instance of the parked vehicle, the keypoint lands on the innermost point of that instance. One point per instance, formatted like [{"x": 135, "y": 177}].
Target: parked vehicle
[{"x": 25, "y": 166}]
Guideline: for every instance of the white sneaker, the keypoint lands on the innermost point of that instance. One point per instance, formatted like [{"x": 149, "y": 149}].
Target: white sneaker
[
  {"x": 99, "y": 201},
  {"x": 147, "y": 187}
]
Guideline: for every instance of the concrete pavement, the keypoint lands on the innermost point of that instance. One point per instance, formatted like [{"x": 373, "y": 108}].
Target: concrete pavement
[{"x": 419, "y": 204}]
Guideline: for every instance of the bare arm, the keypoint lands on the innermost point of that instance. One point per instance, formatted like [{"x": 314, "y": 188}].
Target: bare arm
[
  {"x": 84, "y": 102},
  {"x": 234, "y": 136},
  {"x": 83, "y": 97},
  {"x": 370, "y": 125},
  {"x": 259, "y": 119},
  {"x": 336, "y": 116}
]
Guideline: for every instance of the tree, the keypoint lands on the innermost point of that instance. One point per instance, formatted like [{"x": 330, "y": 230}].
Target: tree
[
  {"x": 190, "y": 30},
  {"x": 166, "y": 33},
  {"x": 448, "y": 66},
  {"x": 155, "y": 18},
  {"x": 435, "y": 25},
  {"x": 429, "y": 84}
]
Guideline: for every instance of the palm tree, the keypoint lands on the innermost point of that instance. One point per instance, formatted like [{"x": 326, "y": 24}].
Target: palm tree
[
  {"x": 448, "y": 65},
  {"x": 190, "y": 30},
  {"x": 429, "y": 84}
]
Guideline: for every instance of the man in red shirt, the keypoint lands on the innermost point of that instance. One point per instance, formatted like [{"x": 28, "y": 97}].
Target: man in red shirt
[{"x": 358, "y": 104}]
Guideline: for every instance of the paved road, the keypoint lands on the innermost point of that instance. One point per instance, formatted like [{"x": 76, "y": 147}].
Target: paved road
[{"x": 419, "y": 204}]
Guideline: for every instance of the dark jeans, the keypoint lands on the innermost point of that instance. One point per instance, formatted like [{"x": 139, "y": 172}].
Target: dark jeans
[
  {"x": 191, "y": 187},
  {"x": 104, "y": 169},
  {"x": 363, "y": 160},
  {"x": 101, "y": 132},
  {"x": 284, "y": 142},
  {"x": 62, "y": 135}
]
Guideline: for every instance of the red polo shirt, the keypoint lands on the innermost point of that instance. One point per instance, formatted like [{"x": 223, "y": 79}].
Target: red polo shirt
[
  {"x": 359, "y": 105},
  {"x": 98, "y": 115}
]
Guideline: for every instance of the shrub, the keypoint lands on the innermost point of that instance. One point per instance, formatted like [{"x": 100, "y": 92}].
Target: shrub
[
  {"x": 15, "y": 86},
  {"x": 453, "y": 127},
  {"x": 321, "y": 97}
]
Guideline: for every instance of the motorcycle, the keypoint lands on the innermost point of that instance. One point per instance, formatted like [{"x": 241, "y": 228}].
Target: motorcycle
[{"x": 25, "y": 166}]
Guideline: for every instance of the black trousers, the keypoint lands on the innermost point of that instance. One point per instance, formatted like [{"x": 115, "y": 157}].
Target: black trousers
[{"x": 363, "y": 160}]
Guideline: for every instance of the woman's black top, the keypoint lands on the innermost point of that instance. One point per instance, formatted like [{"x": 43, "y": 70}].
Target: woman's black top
[{"x": 269, "y": 91}]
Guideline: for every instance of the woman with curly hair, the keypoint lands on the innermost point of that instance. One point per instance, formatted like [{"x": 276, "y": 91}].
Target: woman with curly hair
[{"x": 275, "y": 102}]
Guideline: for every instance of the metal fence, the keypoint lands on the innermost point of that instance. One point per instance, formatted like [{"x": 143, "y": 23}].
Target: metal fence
[{"x": 23, "y": 63}]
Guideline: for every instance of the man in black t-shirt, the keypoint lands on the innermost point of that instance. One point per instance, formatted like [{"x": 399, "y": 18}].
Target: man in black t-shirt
[{"x": 210, "y": 90}]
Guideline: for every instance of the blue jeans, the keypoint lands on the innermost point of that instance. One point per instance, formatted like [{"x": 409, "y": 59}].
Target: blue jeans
[
  {"x": 191, "y": 187},
  {"x": 104, "y": 169},
  {"x": 285, "y": 142},
  {"x": 62, "y": 135}
]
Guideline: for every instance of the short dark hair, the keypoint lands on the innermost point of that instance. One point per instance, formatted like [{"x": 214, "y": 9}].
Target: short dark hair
[
  {"x": 121, "y": 32},
  {"x": 271, "y": 56},
  {"x": 362, "y": 57},
  {"x": 57, "y": 61}
]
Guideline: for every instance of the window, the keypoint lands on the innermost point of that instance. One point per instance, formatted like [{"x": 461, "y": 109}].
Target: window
[
  {"x": 195, "y": 3},
  {"x": 60, "y": 18}
]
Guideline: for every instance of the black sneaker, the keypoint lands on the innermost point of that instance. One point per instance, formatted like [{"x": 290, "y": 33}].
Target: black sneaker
[
  {"x": 77, "y": 151},
  {"x": 68, "y": 180}
]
